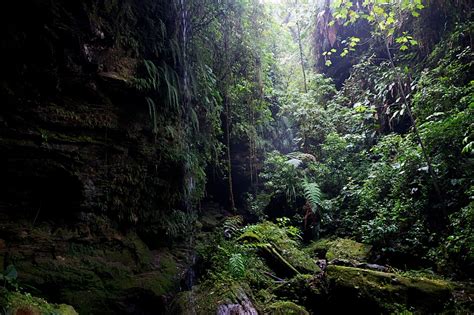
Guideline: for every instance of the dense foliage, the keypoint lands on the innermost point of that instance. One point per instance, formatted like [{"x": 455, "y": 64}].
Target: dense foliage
[
  {"x": 288, "y": 150},
  {"x": 371, "y": 159},
  {"x": 391, "y": 150}
]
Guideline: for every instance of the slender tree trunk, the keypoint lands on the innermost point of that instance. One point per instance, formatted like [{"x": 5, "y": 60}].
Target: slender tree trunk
[
  {"x": 250, "y": 137},
  {"x": 254, "y": 134},
  {"x": 229, "y": 159},
  {"x": 254, "y": 149},
  {"x": 228, "y": 120},
  {"x": 301, "y": 56},
  {"x": 415, "y": 128},
  {"x": 300, "y": 45}
]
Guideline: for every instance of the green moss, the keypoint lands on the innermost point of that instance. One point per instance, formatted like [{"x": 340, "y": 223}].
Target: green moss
[
  {"x": 250, "y": 236},
  {"x": 319, "y": 248},
  {"x": 341, "y": 248},
  {"x": 51, "y": 136},
  {"x": 208, "y": 296},
  {"x": 385, "y": 290},
  {"x": 184, "y": 303},
  {"x": 265, "y": 296},
  {"x": 141, "y": 251},
  {"x": 159, "y": 281},
  {"x": 16, "y": 302},
  {"x": 302, "y": 289},
  {"x": 209, "y": 221},
  {"x": 286, "y": 307},
  {"x": 66, "y": 309},
  {"x": 92, "y": 274},
  {"x": 269, "y": 235},
  {"x": 88, "y": 301}
]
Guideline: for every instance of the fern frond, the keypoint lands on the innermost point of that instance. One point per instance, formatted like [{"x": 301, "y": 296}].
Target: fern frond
[
  {"x": 194, "y": 120},
  {"x": 177, "y": 223},
  {"x": 313, "y": 194},
  {"x": 237, "y": 265},
  {"x": 232, "y": 225},
  {"x": 152, "y": 111},
  {"x": 153, "y": 80},
  {"x": 170, "y": 78}
]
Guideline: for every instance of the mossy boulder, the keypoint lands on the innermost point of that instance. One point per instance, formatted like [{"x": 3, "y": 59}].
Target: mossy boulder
[
  {"x": 286, "y": 308},
  {"x": 353, "y": 289},
  {"x": 99, "y": 273},
  {"x": 184, "y": 303},
  {"x": 160, "y": 281},
  {"x": 23, "y": 303},
  {"x": 282, "y": 253},
  {"x": 340, "y": 248},
  {"x": 302, "y": 289},
  {"x": 211, "y": 297}
]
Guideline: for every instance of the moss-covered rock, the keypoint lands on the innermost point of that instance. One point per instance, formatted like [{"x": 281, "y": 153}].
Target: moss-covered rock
[
  {"x": 303, "y": 289},
  {"x": 286, "y": 308},
  {"x": 354, "y": 289},
  {"x": 160, "y": 281},
  {"x": 282, "y": 253},
  {"x": 340, "y": 248},
  {"x": 24, "y": 303},
  {"x": 211, "y": 297},
  {"x": 102, "y": 272}
]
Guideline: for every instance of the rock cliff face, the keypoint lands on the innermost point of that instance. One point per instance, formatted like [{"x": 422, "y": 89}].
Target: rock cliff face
[
  {"x": 84, "y": 181},
  {"x": 75, "y": 134}
]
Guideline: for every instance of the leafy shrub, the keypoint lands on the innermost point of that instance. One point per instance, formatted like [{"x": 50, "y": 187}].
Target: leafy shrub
[{"x": 281, "y": 176}]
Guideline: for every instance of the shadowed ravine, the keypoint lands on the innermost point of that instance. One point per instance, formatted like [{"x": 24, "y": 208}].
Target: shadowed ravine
[{"x": 236, "y": 157}]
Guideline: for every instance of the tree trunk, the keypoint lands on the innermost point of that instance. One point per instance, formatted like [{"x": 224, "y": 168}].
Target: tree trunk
[
  {"x": 415, "y": 128},
  {"x": 229, "y": 159},
  {"x": 300, "y": 45},
  {"x": 228, "y": 122}
]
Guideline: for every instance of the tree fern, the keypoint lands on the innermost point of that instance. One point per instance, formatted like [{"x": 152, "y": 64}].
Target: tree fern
[
  {"x": 232, "y": 225},
  {"x": 313, "y": 194}
]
